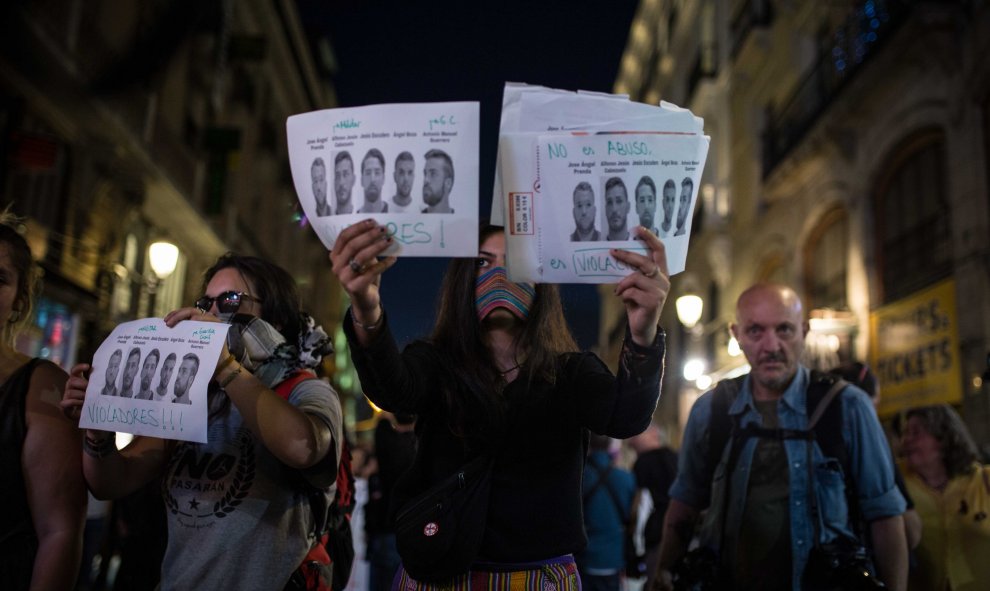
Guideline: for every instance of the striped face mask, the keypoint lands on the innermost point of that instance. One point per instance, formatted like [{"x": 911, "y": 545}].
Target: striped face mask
[{"x": 494, "y": 290}]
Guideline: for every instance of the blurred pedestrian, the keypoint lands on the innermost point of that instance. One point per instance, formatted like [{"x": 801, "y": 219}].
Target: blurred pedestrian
[
  {"x": 859, "y": 374},
  {"x": 951, "y": 491},
  {"x": 395, "y": 449},
  {"x": 607, "y": 491},
  {"x": 655, "y": 469}
]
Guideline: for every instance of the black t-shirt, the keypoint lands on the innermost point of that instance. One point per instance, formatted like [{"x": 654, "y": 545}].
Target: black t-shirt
[
  {"x": 395, "y": 452},
  {"x": 655, "y": 471}
]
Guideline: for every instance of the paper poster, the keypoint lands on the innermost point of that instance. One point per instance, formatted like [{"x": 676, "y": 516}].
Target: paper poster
[
  {"x": 536, "y": 109},
  {"x": 599, "y": 186},
  {"x": 411, "y": 167},
  {"x": 149, "y": 379},
  {"x": 570, "y": 198}
]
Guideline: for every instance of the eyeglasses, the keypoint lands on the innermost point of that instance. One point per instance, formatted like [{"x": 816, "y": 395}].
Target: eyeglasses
[{"x": 227, "y": 303}]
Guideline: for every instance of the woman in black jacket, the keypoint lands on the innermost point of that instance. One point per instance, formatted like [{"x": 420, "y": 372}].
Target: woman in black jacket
[{"x": 501, "y": 375}]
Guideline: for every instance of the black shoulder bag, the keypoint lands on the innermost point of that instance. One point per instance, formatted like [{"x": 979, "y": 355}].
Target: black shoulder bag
[{"x": 438, "y": 532}]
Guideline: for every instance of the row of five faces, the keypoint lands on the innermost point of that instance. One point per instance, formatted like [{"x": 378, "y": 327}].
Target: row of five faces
[{"x": 617, "y": 209}]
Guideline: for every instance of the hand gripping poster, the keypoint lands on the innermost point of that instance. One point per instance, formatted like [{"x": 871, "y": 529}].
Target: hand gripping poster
[
  {"x": 411, "y": 167},
  {"x": 571, "y": 197},
  {"x": 149, "y": 379}
]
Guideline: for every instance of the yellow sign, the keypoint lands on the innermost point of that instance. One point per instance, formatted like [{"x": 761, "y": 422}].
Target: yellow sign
[{"x": 914, "y": 349}]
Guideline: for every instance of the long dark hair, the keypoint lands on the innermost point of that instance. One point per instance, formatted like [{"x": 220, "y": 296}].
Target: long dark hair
[
  {"x": 280, "y": 302},
  {"x": 459, "y": 336},
  {"x": 27, "y": 277},
  {"x": 945, "y": 425}
]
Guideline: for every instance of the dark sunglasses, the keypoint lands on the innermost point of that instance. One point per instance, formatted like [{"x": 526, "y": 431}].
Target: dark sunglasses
[{"x": 227, "y": 303}]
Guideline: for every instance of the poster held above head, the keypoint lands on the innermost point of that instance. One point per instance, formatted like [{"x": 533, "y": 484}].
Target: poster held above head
[
  {"x": 577, "y": 172},
  {"x": 411, "y": 167}
]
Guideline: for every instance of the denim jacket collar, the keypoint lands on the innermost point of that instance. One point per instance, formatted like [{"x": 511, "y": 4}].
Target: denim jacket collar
[{"x": 794, "y": 396}]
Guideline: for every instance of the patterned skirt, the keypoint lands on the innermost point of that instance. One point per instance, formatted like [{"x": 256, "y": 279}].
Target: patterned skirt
[{"x": 555, "y": 574}]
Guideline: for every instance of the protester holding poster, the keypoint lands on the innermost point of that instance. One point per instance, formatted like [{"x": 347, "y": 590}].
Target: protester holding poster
[
  {"x": 239, "y": 506},
  {"x": 42, "y": 494},
  {"x": 501, "y": 375}
]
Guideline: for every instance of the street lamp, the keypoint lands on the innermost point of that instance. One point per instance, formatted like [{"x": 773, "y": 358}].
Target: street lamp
[
  {"x": 689, "y": 309},
  {"x": 164, "y": 256}
]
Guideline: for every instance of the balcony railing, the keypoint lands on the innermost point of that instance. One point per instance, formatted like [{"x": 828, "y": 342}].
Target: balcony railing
[
  {"x": 705, "y": 66},
  {"x": 754, "y": 13},
  {"x": 851, "y": 46}
]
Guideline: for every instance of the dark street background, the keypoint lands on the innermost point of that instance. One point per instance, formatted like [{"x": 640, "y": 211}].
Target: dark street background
[{"x": 462, "y": 51}]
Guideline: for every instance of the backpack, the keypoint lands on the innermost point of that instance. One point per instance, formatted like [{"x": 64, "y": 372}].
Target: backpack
[
  {"x": 827, "y": 432},
  {"x": 335, "y": 551}
]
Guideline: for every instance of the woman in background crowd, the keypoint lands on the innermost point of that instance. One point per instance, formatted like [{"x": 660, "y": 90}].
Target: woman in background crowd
[
  {"x": 859, "y": 374},
  {"x": 42, "y": 492},
  {"x": 951, "y": 492}
]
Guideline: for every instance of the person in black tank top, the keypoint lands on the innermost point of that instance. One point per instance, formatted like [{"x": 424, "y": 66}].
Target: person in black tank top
[{"x": 42, "y": 493}]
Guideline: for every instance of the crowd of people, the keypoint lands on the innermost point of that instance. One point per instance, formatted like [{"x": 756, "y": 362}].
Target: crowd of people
[{"x": 784, "y": 480}]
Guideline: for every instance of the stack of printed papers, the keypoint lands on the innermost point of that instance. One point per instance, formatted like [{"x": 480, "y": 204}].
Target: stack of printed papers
[{"x": 577, "y": 171}]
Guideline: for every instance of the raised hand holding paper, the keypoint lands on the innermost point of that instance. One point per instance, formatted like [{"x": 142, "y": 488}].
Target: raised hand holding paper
[
  {"x": 411, "y": 167},
  {"x": 149, "y": 379}
]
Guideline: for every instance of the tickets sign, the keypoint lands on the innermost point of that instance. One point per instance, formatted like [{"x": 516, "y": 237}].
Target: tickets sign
[{"x": 914, "y": 349}]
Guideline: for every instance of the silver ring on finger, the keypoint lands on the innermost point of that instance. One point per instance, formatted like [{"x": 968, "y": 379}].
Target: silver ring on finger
[
  {"x": 651, "y": 274},
  {"x": 355, "y": 266}
]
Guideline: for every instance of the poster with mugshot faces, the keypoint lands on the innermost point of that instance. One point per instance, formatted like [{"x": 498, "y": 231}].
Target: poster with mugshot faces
[
  {"x": 411, "y": 167},
  {"x": 589, "y": 191},
  {"x": 149, "y": 379}
]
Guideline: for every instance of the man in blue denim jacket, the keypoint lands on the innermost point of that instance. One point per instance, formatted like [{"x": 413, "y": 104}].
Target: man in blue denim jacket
[{"x": 764, "y": 537}]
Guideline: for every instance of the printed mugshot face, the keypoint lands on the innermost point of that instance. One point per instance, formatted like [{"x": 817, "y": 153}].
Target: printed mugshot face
[
  {"x": 616, "y": 207},
  {"x": 185, "y": 376},
  {"x": 584, "y": 209},
  {"x": 131, "y": 368},
  {"x": 646, "y": 203},
  {"x": 435, "y": 181},
  {"x": 319, "y": 174},
  {"x": 113, "y": 366},
  {"x": 404, "y": 176},
  {"x": 669, "y": 197},
  {"x": 166, "y": 373},
  {"x": 343, "y": 179},
  {"x": 148, "y": 370},
  {"x": 685, "y": 206},
  {"x": 372, "y": 177}
]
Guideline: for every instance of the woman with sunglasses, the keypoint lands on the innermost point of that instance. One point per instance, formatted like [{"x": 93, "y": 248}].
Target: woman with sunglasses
[
  {"x": 501, "y": 376},
  {"x": 239, "y": 506}
]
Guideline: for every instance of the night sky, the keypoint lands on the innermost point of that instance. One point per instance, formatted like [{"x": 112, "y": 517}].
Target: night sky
[{"x": 414, "y": 51}]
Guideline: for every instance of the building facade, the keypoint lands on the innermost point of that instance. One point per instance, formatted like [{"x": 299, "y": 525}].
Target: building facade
[
  {"x": 849, "y": 159},
  {"x": 127, "y": 123}
]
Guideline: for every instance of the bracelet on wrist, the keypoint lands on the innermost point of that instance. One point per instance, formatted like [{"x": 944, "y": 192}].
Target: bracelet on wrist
[
  {"x": 374, "y": 325},
  {"x": 230, "y": 377},
  {"x": 230, "y": 359},
  {"x": 99, "y": 447}
]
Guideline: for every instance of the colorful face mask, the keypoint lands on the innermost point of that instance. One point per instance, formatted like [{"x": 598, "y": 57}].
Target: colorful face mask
[{"x": 494, "y": 290}]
